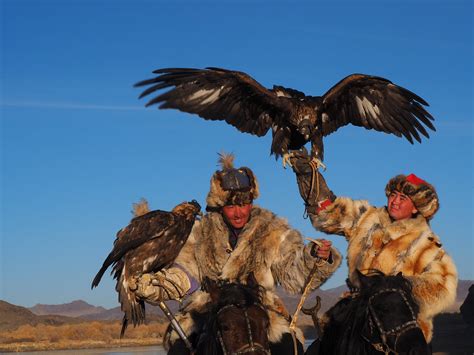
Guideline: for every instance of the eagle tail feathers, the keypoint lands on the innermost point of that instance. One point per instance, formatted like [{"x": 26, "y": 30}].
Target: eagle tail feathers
[
  {"x": 124, "y": 326},
  {"x": 133, "y": 309}
]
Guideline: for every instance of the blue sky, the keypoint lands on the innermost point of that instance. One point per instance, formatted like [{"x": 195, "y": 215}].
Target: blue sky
[{"x": 78, "y": 147}]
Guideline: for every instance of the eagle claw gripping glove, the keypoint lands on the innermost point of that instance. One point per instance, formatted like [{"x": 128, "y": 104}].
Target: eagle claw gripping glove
[
  {"x": 313, "y": 188},
  {"x": 169, "y": 284}
]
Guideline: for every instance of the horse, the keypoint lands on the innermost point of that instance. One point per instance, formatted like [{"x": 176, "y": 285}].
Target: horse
[
  {"x": 379, "y": 317},
  {"x": 235, "y": 323}
]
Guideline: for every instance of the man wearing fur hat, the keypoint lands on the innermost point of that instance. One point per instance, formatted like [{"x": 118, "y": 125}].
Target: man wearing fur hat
[
  {"x": 236, "y": 238},
  {"x": 392, "y": 239}
]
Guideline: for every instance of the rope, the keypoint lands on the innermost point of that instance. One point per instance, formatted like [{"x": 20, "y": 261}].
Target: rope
[
  {"x": 317, "y": 264},
  {"x": 314, "y": 176}
]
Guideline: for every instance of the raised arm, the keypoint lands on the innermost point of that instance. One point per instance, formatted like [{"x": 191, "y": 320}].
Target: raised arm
[{"x": 328, "y": 213}]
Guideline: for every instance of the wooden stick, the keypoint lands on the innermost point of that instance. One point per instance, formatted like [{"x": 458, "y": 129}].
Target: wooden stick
[{"x": 317, "y": 264}]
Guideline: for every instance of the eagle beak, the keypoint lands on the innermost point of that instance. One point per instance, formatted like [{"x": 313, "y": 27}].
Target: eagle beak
[{"x": 305, "y": 131}]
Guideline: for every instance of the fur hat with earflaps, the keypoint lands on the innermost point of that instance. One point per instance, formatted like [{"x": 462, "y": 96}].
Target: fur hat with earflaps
[
  {"x": 422, "y": 194},
  {"x": 231, "y": 186}
]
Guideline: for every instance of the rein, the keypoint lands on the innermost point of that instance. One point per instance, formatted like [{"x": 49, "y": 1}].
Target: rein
[
  {"x": 395, "y": 331},
  {"x": 252, "y": 345}
]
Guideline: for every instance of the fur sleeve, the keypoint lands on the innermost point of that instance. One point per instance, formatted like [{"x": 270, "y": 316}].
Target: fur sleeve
[
  {"x": 294, "y": 263},
  {"x": 435, "y": 288},
  {"x": 187, "y": 257},
  {"x": 340, "y": 217}
]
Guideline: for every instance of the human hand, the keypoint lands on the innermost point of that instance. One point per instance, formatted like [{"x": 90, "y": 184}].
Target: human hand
[{"x": 322, "y": 249}]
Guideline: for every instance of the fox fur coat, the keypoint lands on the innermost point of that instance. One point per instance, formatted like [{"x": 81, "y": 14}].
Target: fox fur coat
[
  {"x": 409, "y": 245},
  {"x": 266, "y": 246}
]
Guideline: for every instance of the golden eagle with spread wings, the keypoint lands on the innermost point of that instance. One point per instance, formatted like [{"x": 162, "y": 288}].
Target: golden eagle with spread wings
[
  {"x": 295, "y": 119},
  {"x": 150, "y": 242}
]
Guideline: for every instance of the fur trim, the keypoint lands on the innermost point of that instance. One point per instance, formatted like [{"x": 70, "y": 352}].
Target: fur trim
[
  {"x": 140, "y": 208},
  {"x": 219, "y": 197},
  {"x": 422, "y": 194}
]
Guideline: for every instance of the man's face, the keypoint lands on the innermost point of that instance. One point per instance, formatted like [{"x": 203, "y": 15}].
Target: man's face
[
  {"x": 400, "y": 206},
  {"x": 237, "y": 215}
]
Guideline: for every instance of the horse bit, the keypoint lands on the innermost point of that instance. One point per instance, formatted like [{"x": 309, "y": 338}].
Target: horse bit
[
  {"x": 251, "y": 346},
  {"x": 396, "y": 331}
]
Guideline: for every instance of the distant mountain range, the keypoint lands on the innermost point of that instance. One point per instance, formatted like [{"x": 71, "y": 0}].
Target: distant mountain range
[
  {"x": 12, "y": 316},
  {"x": 74, "y": 309}
]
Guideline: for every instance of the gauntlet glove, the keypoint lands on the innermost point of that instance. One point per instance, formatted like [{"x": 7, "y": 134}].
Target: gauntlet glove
[
  {"x": 312, "y": 185},
  {"x": 169, "y": 284}
]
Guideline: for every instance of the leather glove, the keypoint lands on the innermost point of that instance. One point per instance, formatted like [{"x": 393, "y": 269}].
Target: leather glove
[
  {"x": 169, "y": 284},
  {"x": 312, "y": 185}
]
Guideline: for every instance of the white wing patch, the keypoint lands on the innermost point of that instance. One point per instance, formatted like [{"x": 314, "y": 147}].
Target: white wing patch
[
  {"x": 366, "y": 108},
  {"x": 210, "y": 95},
  {"x": 280, "y": 93}
]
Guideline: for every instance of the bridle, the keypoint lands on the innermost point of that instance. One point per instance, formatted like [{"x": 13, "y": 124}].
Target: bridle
[
  {"x": 251, "y": 345},
  {"x": 374, "y": 321}
]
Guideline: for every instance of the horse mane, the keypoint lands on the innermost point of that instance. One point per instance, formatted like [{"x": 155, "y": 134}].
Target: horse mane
[
  {"x": 231, "y": 293},
  {"x": 343, "y": 333}
]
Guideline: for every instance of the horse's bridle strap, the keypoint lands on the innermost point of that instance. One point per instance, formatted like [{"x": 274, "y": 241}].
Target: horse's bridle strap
[
  {"x": 251, "y": 346},
  {"x": 396, "y": 331}
]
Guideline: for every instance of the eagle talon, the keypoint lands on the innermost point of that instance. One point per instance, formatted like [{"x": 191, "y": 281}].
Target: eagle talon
[
  {"x": 316, "y": 163},
  {"x": 286, "y": 160}
]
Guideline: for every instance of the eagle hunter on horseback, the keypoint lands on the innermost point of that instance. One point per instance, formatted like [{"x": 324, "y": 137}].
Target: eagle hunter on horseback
[
  {"x": 236, "y": 239},
  {"x": 393, "y": 239}
]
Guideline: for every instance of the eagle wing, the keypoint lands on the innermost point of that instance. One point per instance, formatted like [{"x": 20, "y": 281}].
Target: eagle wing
[
  {"x": 216, "y": 94},
  {"x": 374, "y": 103},
  {"x": 140, "y": 230}
]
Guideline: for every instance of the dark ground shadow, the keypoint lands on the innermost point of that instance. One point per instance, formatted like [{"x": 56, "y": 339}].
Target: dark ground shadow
[{"x": 451, "y": 336}]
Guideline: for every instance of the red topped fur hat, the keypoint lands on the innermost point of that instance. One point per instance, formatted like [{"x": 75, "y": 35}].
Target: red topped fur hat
[
  {"x": 422, "y": 193},
  {"x": 231, "y": 186}
]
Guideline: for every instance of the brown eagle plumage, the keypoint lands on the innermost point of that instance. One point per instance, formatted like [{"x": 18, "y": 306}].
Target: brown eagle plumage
[
  {"x": 148, "y": 244},
  {"x": 295, "y": 119}
]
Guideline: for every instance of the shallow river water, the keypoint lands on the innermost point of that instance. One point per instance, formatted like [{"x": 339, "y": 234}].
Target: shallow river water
[{"x": 138, "y": 350}]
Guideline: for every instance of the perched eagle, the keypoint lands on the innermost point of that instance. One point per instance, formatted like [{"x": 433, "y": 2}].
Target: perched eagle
[
  {"x": 150, "y": 242},
  {"x": 295, "y": 119}
]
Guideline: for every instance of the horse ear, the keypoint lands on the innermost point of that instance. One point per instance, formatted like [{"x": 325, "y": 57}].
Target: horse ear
[
  {"x": 400, "y": 275},
  {"x": 251, "y": 280}
]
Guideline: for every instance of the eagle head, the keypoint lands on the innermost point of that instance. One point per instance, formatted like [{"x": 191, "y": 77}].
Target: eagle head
[
  {"x": 306, "y": 121},
  {"x": 188, "y": 209}
]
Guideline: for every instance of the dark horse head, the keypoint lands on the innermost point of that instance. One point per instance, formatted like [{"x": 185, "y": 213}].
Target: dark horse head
[
  {"x": 381, "y": 318},
  {"x": 237, "y": 321}
]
